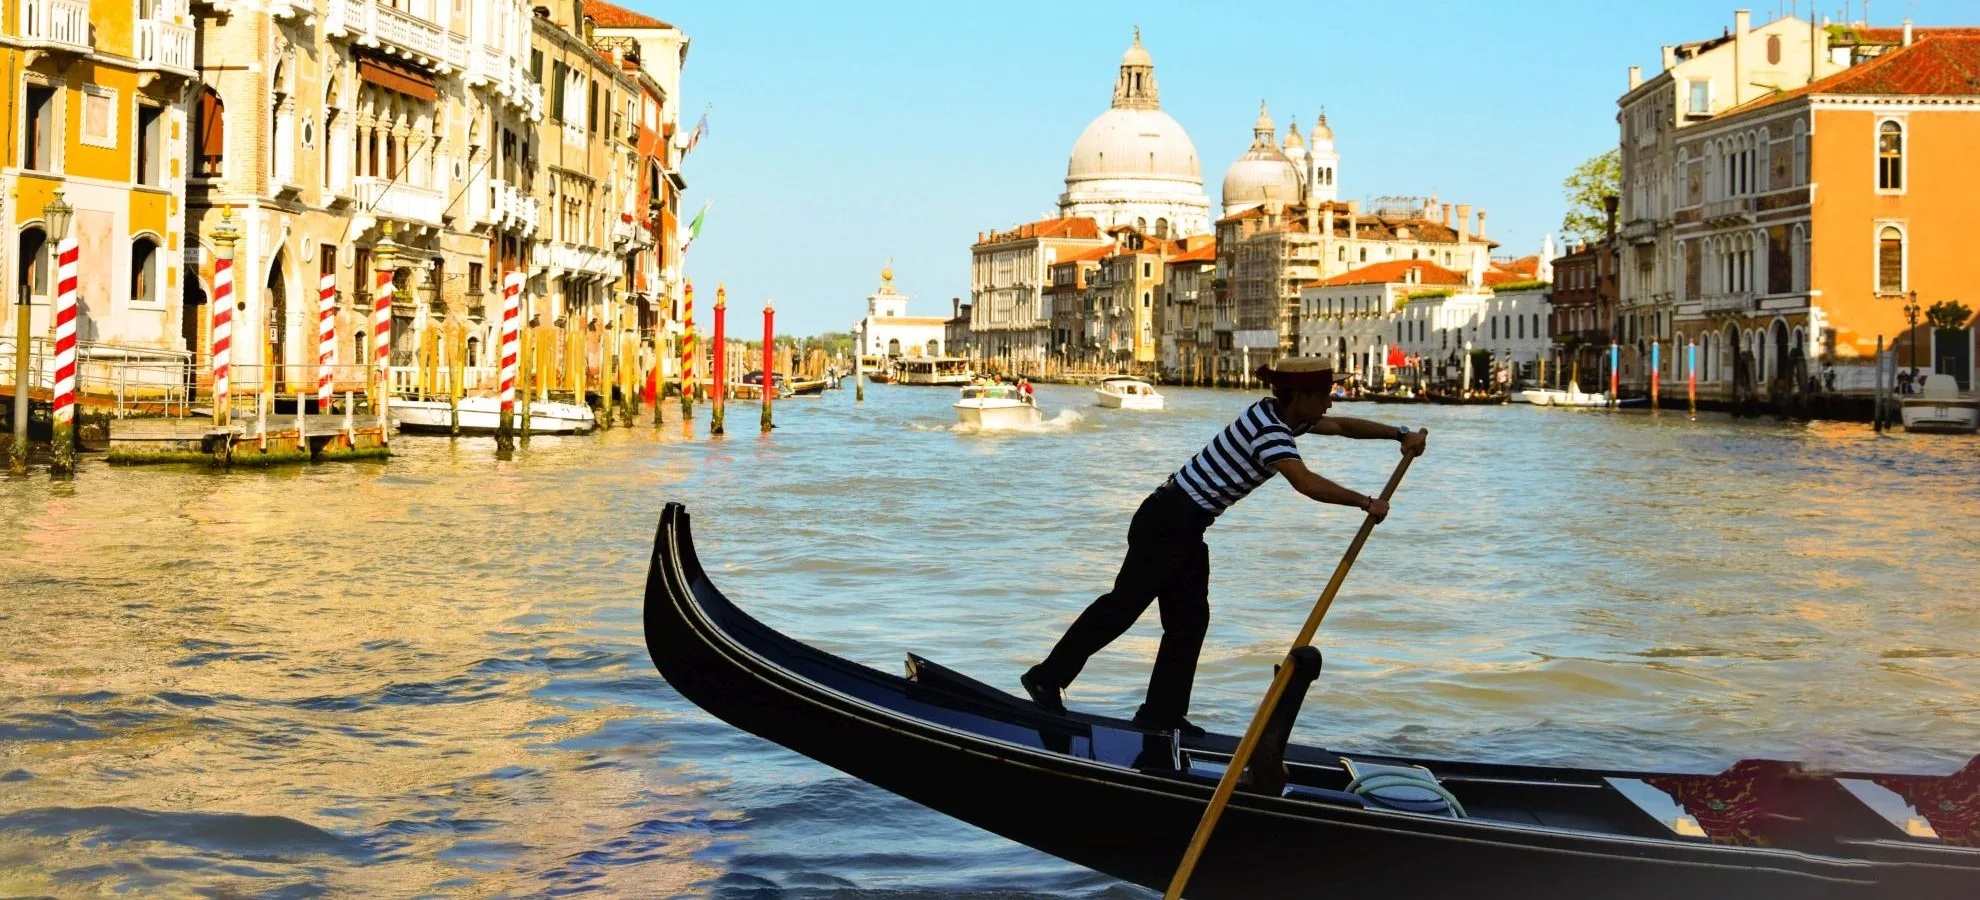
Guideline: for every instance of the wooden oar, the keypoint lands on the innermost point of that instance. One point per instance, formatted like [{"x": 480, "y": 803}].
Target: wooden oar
[{"x": 1245, "y": 747}]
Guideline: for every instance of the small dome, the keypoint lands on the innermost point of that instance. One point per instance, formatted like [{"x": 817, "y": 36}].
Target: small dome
[
  {"x": 1322, "y": 132},
  {"x": 1292, "y": 135},
  {"x": 1264, "y": 173},
  {"x": 1135, "y": 56},
  {"x": 1264, "y": 123}
]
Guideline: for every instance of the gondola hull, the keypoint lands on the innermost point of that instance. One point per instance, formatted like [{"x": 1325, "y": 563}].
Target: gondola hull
[{"x": 1099, "y": 793}]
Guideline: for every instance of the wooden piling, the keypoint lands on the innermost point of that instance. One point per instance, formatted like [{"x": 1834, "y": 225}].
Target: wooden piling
[
  {"x": 768, "y": 389},
  {"x": 718, "y": 371}
]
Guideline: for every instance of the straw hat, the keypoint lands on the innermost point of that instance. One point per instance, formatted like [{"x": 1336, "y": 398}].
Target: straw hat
[{"x": 1299, "y": 371}]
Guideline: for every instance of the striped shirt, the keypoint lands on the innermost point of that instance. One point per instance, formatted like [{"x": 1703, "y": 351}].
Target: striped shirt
[{"x": 1239, "y": 458}]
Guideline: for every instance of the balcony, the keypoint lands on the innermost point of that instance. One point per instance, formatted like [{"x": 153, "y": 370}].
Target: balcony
[
  {"x": 1729, "y": 211},
  {"x": 164, "y": 44},
  {"x": 513, "y": 209},
  {"x": 1640, "y": 231},
  {"x": 55, "y": 24},
  {"x": 367, "y": 23},
  {"x": 1726, "y": 303},
  {"x": 398, "y": 200}
]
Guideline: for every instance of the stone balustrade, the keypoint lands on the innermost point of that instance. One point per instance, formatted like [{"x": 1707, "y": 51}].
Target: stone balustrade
[
  {"x": 163, "y": 43},
  {"x": 398, "y": 200},
  {"x": 61, "y": 23}
]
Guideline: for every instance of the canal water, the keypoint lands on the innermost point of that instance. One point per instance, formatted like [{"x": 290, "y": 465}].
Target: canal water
[{"x": 427, "y": 676}]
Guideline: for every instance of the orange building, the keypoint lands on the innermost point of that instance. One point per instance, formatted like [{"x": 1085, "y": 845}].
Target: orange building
[{"x": 1809, "y": 219}]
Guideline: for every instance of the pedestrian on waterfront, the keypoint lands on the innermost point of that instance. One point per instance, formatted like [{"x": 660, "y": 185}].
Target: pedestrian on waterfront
[{"x": 1166, "y": 556}]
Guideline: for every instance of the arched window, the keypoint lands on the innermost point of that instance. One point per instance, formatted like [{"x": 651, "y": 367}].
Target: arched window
[
  {"x": 33, "y": 282},
  {"x": 1800, "y": 152},
  {"x": 1890, "y": 260},
  {"x": 894, "y": 347},
  {"x": 474, "y": 352},
  {"x": 933, "y": 349},
  {"x": 1364, "y": 254},
  {"x": 1162, "y": 228},
  {"x": 1343, "y": 254},
  {"x": 210, "y": 137},
  {"x": 1798, "y": 260},
  {"x": 144, "y": 271},
  {"x": 1890, "y": 156}
]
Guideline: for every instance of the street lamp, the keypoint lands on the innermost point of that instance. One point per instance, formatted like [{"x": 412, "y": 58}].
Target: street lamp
[
  {"x": 1911, "y": 316},
  {"x": 58, "y": 213}
]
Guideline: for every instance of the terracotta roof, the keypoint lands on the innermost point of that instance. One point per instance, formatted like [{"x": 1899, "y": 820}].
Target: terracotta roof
[
  {"x": 1502, "y": 276},
  {"x": 1077, "y": 227},
  {"x": 609, "y": 16},
  {"x": 1937, "y": 66},
  {"x": 1525, "y": 265},
  {"x": 1840, "y": 34},
  {"x": 1393, "y": 272},
  {"x": 1205, "y": 253},
  {"x": 1088, "y": 255}
]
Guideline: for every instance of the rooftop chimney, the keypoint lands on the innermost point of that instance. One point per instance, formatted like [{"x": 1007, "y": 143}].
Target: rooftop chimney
[
  {"x": 1481, "y": 224},
  {"x": 1907, "y": 31},
  {"x": 1635, "y": 76},
  {"x": 955, "y": 307},
  {"x": 1464, "y": 222},
  {"x": 1670, "y": 57},
  {"x": 1447, "y": 215},
  {"x": 1609, "y": 202},
  {"x": 1742, "y": 22}
]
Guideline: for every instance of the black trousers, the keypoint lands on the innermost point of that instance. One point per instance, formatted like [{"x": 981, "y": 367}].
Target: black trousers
[{"x": 1167, "y": 560}]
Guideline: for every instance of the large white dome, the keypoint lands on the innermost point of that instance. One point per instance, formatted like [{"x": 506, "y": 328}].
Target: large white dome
[
  {"x": 1134, "y": 143},
  {"x": 1134, "y": 165}
]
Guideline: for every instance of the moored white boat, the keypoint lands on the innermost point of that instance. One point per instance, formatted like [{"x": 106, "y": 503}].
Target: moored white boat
[
  {"x": 1574, "y": 397},
  {"x": 1940, "y": 408},
  {"x": 1541, "y": 396},
  {"x": 483, "y": 415},
  {"x": 1127, "y": 392},
  {"x": 993, "y": 407}
]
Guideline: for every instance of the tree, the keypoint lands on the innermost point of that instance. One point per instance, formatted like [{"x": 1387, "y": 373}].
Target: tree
[
  {"x": 1600, "y": 176},
  {"x": 1948, "y": 314}
]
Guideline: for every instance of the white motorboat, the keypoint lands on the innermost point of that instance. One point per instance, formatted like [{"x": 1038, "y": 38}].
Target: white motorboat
[
  {"x": 1574, "y": 397},
  {"x": 482, "y": 415},
  {"x": 1127, "y": 392},
  {"x": 1940, "y": 408},
  {"x": 993, "y": 407}
]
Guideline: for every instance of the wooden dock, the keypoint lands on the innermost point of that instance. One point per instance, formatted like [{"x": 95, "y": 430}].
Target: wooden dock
[{"x": 287, "y": 438}]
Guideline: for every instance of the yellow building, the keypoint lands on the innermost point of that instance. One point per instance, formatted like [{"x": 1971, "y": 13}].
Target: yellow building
[{"x": 94, "y": 110}]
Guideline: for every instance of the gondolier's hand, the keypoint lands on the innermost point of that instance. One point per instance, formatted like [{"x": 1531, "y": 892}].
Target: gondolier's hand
[
  {"x": 1413, "y": 443},
  {"x": 1378, "y": 509}
]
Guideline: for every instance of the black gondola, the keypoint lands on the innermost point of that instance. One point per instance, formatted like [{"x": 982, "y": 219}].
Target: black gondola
[{"x": 1098, "y": 792}]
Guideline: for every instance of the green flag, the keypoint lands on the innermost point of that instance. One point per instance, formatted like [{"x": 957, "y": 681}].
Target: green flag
[{"x": 694, "y": 227}]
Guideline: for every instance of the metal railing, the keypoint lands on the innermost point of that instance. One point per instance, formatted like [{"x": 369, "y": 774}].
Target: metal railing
[{"x": 139, "y": 379}]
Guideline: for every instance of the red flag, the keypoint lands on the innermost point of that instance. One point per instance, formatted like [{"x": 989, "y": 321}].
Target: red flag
[{"x": 1396, "y": 357}]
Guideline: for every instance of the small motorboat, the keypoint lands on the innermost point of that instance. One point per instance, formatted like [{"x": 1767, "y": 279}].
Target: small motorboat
[
  {"x": 996, "y": 406},
  {"x": 1127, "y": 392},
  {"x": 1541, "y": 396},
  {"x": 1574, "y": 397},
  {"x": 1306, "y": 820},
  {"x": 483, "y": 415},
  {"x": 1940, "y": 408}
]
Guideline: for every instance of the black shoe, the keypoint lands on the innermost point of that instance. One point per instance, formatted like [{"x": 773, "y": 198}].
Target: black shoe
[
  {"x": 1180, "y": 726},
  {"x": 1046, "y": 696}
]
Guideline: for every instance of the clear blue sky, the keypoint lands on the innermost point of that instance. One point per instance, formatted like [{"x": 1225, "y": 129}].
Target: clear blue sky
[{"x": 844, "y": 134}]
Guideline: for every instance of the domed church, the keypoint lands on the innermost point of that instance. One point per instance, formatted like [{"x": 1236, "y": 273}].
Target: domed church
[{"x": 1134, "y": 165}]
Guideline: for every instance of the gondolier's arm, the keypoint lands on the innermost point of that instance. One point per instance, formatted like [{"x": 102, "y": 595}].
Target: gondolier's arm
[{"x": 1306, "y": 482}]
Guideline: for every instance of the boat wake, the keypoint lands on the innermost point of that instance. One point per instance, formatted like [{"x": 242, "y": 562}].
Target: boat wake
[{"x": 1065, "y": 421}]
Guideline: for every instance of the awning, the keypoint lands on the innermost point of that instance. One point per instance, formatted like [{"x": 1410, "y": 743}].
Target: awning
[{"x": 394, "y": 77}]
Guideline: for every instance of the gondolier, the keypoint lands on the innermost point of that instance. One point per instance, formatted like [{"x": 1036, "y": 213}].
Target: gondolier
[{"x": 1166, "y": 556}]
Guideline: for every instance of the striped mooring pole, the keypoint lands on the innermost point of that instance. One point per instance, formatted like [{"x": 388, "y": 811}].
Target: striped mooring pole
[
  {"x": 65, "y": 357},
  {"x": 381, "y": 325},
  {"x": 224, "y": 236},
  {"x": 687, "y": 351},
  {"x": 326, "y": 343},
  {"x": 505, "y": 432}
]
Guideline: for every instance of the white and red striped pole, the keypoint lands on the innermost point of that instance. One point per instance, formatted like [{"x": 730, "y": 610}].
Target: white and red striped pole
[
  {"x": 65, "y": 356},
  {"x": 505, "y": 433},
  {"x": 326, "y": 340},
  {"x": 381, "y": 329},
  {"x": 223, "y": 329}
]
